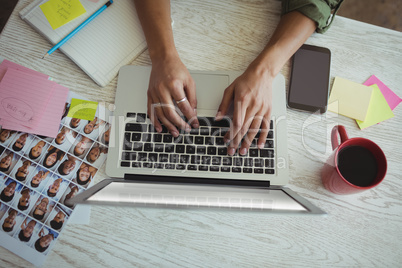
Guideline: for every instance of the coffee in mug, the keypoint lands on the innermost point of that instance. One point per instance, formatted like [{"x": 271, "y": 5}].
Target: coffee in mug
[{"x": 356, "y": 164}]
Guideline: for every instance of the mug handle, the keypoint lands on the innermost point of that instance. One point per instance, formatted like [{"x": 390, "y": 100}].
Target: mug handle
[{"x": 341, "y": 131}]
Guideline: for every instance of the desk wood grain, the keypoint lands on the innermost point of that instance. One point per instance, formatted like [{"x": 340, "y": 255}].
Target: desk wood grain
[{"x": 362, "y": 230}]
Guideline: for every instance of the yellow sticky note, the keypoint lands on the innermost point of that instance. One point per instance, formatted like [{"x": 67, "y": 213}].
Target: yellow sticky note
[
  {"x": 82, "y": 109},
  {"x": 378, "y": 111},
  {"x": 350, "y": 99},
  {"x": 59, "y": 12}
]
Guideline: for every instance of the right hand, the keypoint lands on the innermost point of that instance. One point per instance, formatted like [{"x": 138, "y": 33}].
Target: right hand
[{"x": 170, "y": 82}]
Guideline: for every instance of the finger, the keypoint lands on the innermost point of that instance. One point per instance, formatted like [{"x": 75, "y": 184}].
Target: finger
[
  {"x": 239, "y": 115},
  {"x": 234, "y": 144},
  {"x": 166, "y": 122},
  {"x": 189, "y": 113},
  {"x": 265, "y": 126},
  {"x": 171, "y": 112},
  {"x": 152, "y": 106},
  {"x": 225, "y": 103},
  {"x": 191, "y": 116},
  {"x": 250, "y": 135}
]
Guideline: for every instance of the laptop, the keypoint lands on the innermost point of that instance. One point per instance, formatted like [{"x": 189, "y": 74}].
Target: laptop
[{"x": 148, "y": 168}]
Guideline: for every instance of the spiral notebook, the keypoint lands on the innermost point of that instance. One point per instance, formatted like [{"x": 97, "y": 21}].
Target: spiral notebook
[{"x": 113, "y": 39}]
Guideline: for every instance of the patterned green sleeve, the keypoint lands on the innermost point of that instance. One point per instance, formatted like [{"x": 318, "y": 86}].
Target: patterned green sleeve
[{"x": 320, "y": 11}]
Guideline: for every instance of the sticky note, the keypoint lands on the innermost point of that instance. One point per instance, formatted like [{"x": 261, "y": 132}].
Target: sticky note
[
  {"x": 50, "y": 122},
  {"x": 23, "y": 97},
  {"x": 9, "y": 64},
  {"x": 60, "y": 12},
  {"x": 392, "y": 99},
  {"x": 82, "y": 109},
  {"x": 350, "y": 99},
  {"x": 379, "y": 109}
]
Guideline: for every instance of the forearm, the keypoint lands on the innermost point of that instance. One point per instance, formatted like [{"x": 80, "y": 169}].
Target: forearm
[
  {"x": 292, "y": 31},
  {"x": 156, "y": 23}
]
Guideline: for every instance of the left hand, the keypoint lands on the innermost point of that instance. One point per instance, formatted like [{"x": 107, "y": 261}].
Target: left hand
[{"x": 251, "y": 94}]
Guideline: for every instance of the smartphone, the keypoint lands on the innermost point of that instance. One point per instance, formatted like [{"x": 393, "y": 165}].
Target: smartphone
[{"x": 309, "y": 79}]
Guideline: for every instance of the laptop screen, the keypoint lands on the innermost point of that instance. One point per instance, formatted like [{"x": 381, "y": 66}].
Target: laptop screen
[{"x": 176, "y": 195}]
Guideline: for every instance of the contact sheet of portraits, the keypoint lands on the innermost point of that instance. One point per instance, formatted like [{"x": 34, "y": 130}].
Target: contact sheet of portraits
[{"x": 38, "y": 174}]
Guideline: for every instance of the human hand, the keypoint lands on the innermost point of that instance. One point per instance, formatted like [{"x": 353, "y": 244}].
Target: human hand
[
  {"x": 171, "y": 82},
  {"x": 251, "y": 94}
]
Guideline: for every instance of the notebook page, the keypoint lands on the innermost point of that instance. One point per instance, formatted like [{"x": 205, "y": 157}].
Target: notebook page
[{"x": 111, "y": 40}]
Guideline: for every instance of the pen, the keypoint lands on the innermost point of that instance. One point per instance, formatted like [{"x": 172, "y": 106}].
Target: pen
[{"x": 76, "y": 30}]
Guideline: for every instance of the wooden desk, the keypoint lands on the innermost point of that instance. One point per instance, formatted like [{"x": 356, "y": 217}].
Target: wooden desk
[{"x": 361, "y": 230}]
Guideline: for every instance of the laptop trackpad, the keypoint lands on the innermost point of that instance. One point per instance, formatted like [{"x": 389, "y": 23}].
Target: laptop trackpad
[{"x": 210, "y": 88}]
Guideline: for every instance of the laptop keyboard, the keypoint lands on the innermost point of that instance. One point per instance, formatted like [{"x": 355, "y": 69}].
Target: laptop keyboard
[{"x": 202, "y": 149}]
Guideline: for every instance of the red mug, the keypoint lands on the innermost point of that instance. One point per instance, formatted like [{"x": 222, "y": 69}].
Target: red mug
[{"x": 355, "y": 165}]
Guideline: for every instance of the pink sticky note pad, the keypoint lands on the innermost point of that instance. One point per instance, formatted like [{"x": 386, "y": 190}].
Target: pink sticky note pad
[
  {"x": 23, "y": 97},
  {"x": 392, "y": 99},
  {"x": 50, "y": 122},
  {"x": 9, "y": 64}
]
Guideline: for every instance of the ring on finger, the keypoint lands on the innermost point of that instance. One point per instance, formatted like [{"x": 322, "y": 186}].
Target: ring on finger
[{"x": 182, "y": 100}]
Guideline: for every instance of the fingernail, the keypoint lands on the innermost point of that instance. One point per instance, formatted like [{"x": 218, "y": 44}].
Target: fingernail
[
  {"x": 218, "y": 115},
  {"x": 261, "y": 146},
  {"x": 243, "y": 151},
  {"x": 196, "y": 125},
  {"x": 188, "y": 129},
  {"x": 175, "y": 134},
  {"x": 231, "y": 151},
  {"x": 158, "y": 129}
]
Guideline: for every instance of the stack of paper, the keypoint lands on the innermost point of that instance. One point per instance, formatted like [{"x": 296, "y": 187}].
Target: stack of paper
[
  {"x": 29, "y": 101},
  {"x": 370, "y": 103}
]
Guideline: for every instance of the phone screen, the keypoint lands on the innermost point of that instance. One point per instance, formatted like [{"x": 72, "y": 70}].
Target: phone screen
[{"x": 309, "y": 82}]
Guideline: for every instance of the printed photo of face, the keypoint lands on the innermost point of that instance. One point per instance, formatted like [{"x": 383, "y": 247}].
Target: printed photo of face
[
  {"x": 68, "y": 165},
  {"x": 52, "y": 157},
  {"x": 95, "y": 154},
  {"x": 9, "y": 222},
  {"x": 44, "y": 241},
  {"x": 54, "y": 187},
  {"x": 75, "y": 122},
  {"x": 23, "y": 171},
  {"x": 62, "y": 135},
  {"x": 5, "y": 136},
  {"x": 6, "y": 161},
  {"x": 65, "y": 138},
  {"x": 27, "y": 229},
  {"x": 93, "y": 128},
  {"x": 23, "y": 202},
  {"x": 20, "y": 142},
  {"x": 41, "y": 208},
  {"x": 81, "y": 146},
  {"x": 7, "y": 194},
  {"x": 91, "y": 125},
  {"x": 85, "y": 174},
  {"x": 58, "y": 221},
  {"x": 38, "y": 178},
  {"x": 72, "y": 190},
  {"x": 37, "y": 147}
]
